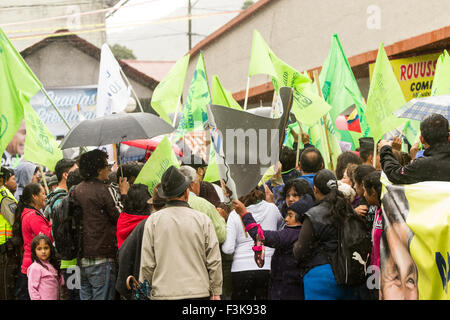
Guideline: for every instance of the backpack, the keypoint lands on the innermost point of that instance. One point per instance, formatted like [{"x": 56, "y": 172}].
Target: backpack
[
  {"x": 351, "y": 260},
  {"x": 49, "y": 206},
  {"x": 67, "y": 227}
]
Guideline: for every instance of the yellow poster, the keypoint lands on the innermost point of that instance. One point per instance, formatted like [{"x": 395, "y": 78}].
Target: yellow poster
[
  {"x": 414, "y": 74},
  {"x": 415, "y": 244}
]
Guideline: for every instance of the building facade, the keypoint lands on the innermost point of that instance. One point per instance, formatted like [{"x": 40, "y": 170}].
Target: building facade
[{"x": 299, "y": 33}]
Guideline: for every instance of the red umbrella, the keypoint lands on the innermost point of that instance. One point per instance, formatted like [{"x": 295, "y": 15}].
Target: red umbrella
[{"x": 151, "y": 144}]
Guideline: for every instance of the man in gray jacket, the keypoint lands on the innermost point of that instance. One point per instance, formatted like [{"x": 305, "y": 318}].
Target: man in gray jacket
[{"x": 180, "y": 255}]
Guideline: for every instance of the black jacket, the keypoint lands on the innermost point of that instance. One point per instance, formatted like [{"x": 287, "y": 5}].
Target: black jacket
[
  {"x": 130, "y": 259},
  {"x": 318, "y": 239},
  {"x": 433, "y": 166}
]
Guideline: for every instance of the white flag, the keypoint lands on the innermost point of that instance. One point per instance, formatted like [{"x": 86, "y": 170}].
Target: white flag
[{"x": 112, "y": 93}]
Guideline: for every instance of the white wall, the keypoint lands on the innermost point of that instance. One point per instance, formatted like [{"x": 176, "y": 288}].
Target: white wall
[{"x": 299, "y": 32}]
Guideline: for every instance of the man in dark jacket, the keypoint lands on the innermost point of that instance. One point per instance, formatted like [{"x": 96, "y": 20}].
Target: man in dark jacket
[
  {"x": 433, "y": 166},
  {"x": 101, "y": 209}
]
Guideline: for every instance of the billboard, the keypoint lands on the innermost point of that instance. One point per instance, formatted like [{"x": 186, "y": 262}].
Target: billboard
[
  {"x": 414, "y": 74},
  {"x": 67, "y": 100}
]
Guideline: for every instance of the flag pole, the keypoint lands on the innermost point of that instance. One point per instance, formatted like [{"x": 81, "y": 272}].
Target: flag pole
[
  {"x": 176, "y": 112},
  {"x": 172, "y": 135},
  {"x": 324, "y": 118},
  {"x": 43, "y": 177},
  {"x": 374, "y": 153},
  {"x": 54, "y": 107},
  {"x": 132, "y": 90},
  {"x": 246, "y": 93},
  {"x": 298, "y": 143},
  {"x": 374, "y": 143}
]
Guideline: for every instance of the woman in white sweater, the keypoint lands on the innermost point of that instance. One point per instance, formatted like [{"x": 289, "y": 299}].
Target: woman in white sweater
[{"x": 248, "y": 280}]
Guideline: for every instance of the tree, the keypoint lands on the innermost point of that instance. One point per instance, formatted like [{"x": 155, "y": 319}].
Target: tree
[
  {"x": 247, "y": 3},
  {"x": 122, "y": 52}
]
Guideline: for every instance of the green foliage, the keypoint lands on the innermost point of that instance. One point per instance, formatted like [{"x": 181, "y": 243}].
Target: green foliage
[
  {"x": 246, "y": 4},
  {"x": 122, "y": 52}
]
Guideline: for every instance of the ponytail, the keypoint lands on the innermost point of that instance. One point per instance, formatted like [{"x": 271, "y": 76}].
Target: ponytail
[{"x": 326, "y": 182}]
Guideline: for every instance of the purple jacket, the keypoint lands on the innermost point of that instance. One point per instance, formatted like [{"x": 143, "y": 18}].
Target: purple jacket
[{"x": 285, "y": 280}]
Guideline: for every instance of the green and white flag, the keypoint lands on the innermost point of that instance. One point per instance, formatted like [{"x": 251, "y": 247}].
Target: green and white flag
[
  {"x": 385, "y": 97},
  {"x": 222, "y": 96},
  {"x": 308, "y": 107},
  {"x": 194, "y": 114},
  {"x": 167, "y": 93},
  {"x": 319, "y": 140},
  {"x": 40, "y": 145},
  {"x": 441, "y": 81},
  {"x": 260, "y": 61},
  {"x": 161, "y": 159},
  {"x": 339, "y": 86},
  {"x": 212, "y": 171},
  {"x": 18, "y": 85}
]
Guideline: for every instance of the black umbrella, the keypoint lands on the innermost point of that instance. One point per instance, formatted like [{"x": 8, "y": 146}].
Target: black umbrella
[{"x": 115, "y": 128}]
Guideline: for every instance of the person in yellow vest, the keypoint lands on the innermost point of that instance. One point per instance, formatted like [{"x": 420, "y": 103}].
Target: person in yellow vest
[{"x": 9, "y": 257}]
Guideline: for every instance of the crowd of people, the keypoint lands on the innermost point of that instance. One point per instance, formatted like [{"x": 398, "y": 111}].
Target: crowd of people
[{"x": 187, "y": 239}]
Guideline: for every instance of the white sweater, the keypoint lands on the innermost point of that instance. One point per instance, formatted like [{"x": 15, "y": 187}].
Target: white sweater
[{"x": 267, "y": 215}]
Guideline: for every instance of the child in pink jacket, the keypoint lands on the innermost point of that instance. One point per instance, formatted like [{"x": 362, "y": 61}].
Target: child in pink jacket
[{"x": 44, "y": 274}]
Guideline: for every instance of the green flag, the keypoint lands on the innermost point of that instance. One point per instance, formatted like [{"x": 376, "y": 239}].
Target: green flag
[
  {"x": 411, "y": 130},
  {"x": 361, "y": 110},
  {"x": 339, "y": 86},
  {"x": 212, "y": 171},
  {"x": 385, "y": 97},
  {"x": 17, "y": 85},
  {"x": 167, "y": 93},
  {"x": 161, "y": 159},
  {"x": 260, "y": 61},
  {"x": 319, "y": 140},
  {"x": 307, "y": 106},
  {"x": 222, "y": 96},
  {"x": 441, "y": 81},
  {"x": 40, "y": 145},
  {"x": 336, "y": 75},
  {"x": 194, "y": 113}
]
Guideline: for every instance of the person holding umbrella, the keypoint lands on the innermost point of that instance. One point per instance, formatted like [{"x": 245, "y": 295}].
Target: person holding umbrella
[
  {"x": 100, "y": 212},
  {"x": 433, "y": 166}
]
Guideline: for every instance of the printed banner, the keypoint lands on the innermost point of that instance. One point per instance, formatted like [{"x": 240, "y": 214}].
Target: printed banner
[
  {"x": 246, "y": 144},
  {"x": 414, "y": 74},
  {"x": 415, "y": 243}
]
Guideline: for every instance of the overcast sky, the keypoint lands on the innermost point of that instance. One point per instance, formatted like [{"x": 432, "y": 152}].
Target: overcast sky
[{"x": 166, "y": 41}]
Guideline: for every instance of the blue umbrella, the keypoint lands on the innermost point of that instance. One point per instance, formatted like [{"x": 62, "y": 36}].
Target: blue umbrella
[{"x": 419, "y": 109}]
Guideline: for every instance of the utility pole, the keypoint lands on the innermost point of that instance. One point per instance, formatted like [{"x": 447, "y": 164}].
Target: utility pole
[{"x": 189, "y": 25}]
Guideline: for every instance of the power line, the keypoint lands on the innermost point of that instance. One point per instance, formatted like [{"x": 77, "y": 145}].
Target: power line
[
  {"x": 71, "y": 15},
  {"x": 158, "y": 21}
]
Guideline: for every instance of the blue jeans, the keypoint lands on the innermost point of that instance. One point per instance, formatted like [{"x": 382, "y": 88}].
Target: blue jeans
[{"x": 98, "y": 282}]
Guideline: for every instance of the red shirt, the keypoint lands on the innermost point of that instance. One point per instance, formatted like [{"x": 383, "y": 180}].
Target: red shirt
[{"x": 125, "y": 224}]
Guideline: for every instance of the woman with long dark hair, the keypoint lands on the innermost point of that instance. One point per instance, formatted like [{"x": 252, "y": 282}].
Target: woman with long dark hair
[
  {"x": 249, "y": 281},
  {"x": 28, "y": 223},
  {"x": 136, "y": 208},
  {"x": 318, "y": 240}
]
